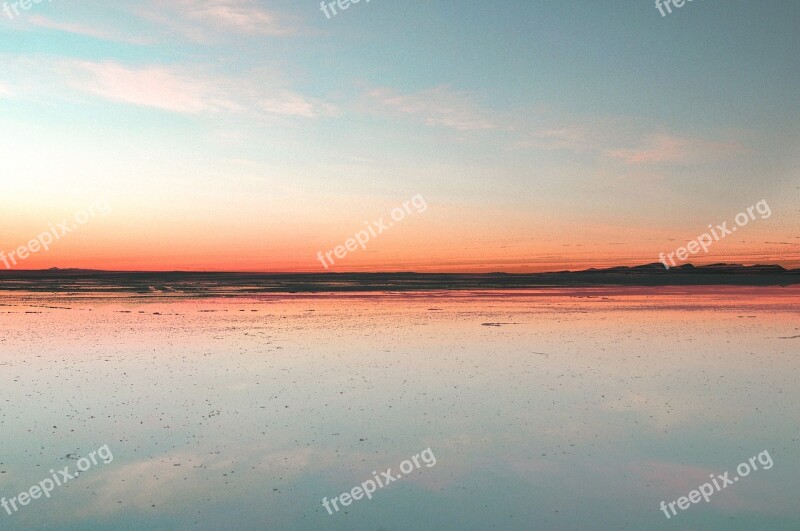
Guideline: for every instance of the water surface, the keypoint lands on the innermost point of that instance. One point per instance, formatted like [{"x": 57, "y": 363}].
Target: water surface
[{"x": 545, "y": 409}]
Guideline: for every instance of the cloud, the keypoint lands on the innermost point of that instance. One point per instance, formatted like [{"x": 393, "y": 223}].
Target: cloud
[
  {"x": 185, "y": 91},
  {"x": 150, "y": 86},
  {"x": 80, "y": 29},
  {"x": 198, "y": 21},
  {"x": 609, "y": 138},
  {"x": 439, "y": 106},
  {"x": 207, "y": 20},
  {"x": 549, "y": 130},
  {"x": 239, "y": 16},
  {"x": 668, "y": 148},
  {"x": 5, "y": 92},
  {"x": 573, "y": 138},
  {"x": 672, "y": 480},
  {"x": 290, "y": 104},
  {"x": 176, "y": 478}
]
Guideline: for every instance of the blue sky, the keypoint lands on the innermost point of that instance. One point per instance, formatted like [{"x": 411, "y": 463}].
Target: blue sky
[{"x": 534, "y": 129}]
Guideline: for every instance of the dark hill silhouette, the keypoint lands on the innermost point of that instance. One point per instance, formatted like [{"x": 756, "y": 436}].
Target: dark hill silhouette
[{"x": 215, "y": 283}]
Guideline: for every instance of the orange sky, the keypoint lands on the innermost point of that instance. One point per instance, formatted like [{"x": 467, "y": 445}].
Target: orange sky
[{"x": 254, "y": 137}]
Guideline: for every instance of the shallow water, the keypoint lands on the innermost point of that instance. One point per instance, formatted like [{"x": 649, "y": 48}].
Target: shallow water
[{"x": 544, "y": 409}]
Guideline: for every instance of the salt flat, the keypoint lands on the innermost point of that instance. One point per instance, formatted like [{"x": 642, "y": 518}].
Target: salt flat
[{"x": 546, "y": 409}]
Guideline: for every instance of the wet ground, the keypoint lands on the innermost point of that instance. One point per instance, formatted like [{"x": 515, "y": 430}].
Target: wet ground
[{"x": 545, "y": 409}]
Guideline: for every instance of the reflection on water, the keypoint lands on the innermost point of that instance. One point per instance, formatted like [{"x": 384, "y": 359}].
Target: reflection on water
[{"x": 548, "y": 409}]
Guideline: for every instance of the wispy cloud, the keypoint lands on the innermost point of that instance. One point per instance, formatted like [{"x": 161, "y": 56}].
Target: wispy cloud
[
  {"x": 290, "y": 104},
  {"x": 84, "y": 30},
  {"x": 660, "y": 148},
  {"x": 176, "y": 89},
  {"x": 151, "y": 86},
  {"x": 151, "y": 21},
  {"x": 5, "y": 92},
  {"x": 241, "y": 16},
  {"x": 439, "y": 106},
  {"x": 193, "y": 90},
  {"x": 207, "y": 20},
  {"x": 551, "y": 130},
  {"x": 568, "y": 137},
  {"x": 623, "y": 139}
]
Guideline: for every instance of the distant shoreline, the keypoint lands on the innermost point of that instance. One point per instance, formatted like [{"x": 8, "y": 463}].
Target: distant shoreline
[{"x": 218, "y": 283}]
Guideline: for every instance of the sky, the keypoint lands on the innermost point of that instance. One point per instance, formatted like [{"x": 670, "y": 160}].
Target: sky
[{"x": 259, "y": 136}]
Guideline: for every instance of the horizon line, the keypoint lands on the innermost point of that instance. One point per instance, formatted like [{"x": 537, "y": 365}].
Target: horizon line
[{"x": 682, "y": 267}]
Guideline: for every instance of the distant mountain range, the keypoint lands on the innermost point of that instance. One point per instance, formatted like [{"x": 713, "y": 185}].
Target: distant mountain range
[{"x": 203, "y": 283}]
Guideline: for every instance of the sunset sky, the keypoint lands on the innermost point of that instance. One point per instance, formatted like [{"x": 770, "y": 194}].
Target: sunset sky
[{"x": 543, "y": 135}]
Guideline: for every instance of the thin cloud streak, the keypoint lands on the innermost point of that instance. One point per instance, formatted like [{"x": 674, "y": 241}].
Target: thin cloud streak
[
  {"x": 174, "y": 89},
  {"x": 239, "y": 16},
  {"x": 205, "y": 21},
  {"x": 668, "y": 148},
  {"x": 439, "y": 106},
  {"x": 193, "y": 21},
  {"x": 86, "y": 31},
  {"x": 156, "y": 87}
]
